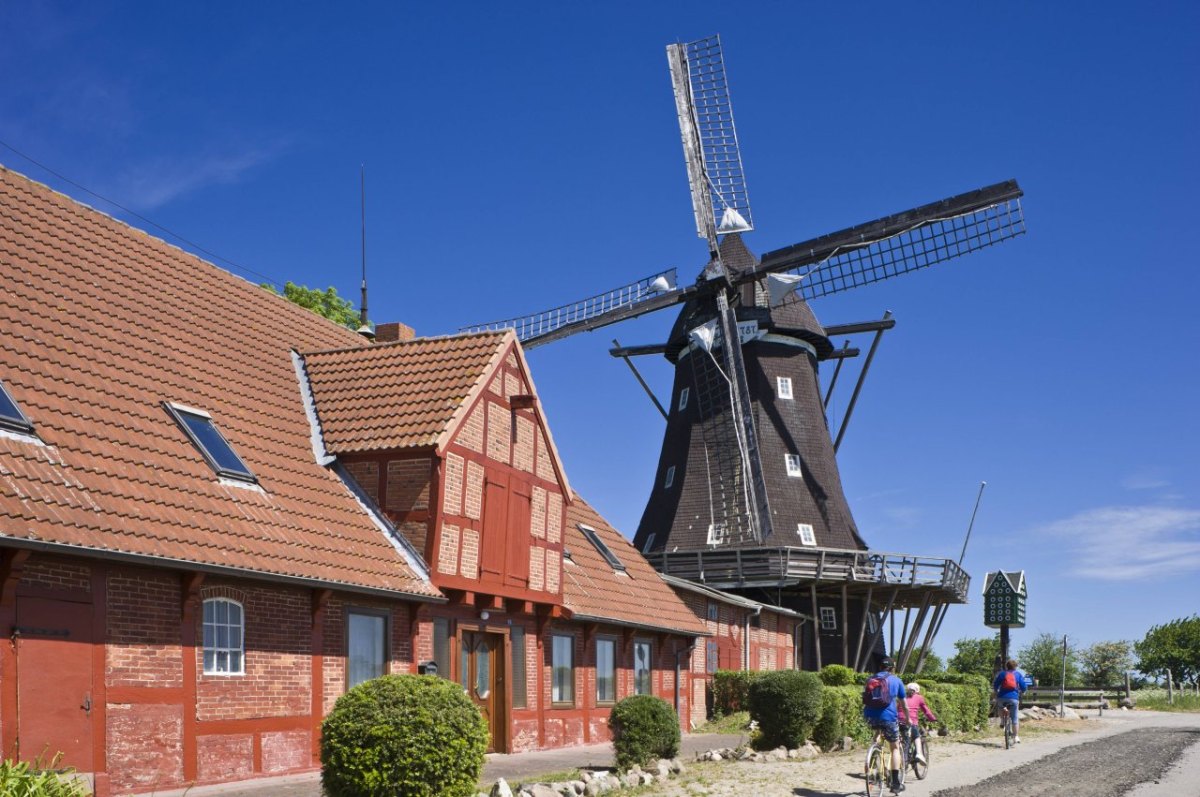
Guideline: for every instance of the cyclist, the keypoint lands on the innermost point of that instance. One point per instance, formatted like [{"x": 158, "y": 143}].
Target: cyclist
[
  {"x": 1009, "y": 684},
  {"x": 879, "y": 711},
  {"x": 916, "y": 707}
]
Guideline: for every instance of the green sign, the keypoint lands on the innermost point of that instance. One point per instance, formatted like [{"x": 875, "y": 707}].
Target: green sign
[{"x": 1004, "y": 599}]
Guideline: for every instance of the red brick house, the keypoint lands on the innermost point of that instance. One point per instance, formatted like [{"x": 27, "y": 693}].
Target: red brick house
[{"x": 218, "y": 511}]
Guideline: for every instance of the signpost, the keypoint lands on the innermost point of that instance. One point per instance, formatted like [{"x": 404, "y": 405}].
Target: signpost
[{"x": 1004, "y": 596}]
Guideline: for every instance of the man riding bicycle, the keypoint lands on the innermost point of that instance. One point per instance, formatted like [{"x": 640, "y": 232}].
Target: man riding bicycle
[
  {"x": 879, "y": 712},
  {"x": 1009, "y": 684},
  {"x": 916, "y": 707}
]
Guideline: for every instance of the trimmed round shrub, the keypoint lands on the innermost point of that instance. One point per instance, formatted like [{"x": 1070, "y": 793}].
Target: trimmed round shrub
[
  {"x": 403, "y": 736},
  {"x": 841, "y": 716},
  {"x": 837, "y": 675},
  {"x": 644, "y": 729},
  {"x": 787, "y": 705}
]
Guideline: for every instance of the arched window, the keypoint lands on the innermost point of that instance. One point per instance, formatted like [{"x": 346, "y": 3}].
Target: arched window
[{"x": 224, "y": 637}]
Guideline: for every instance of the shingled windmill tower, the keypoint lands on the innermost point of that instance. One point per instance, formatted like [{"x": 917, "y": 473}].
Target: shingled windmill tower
[{"x": 747, "y": 496}]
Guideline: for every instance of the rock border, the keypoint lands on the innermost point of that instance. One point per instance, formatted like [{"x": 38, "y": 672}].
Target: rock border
[{"x": 592, "y": 782}]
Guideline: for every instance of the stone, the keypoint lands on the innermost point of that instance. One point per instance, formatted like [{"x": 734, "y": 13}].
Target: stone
[
  {"x": 501, "y": 789},
  {"x": 713, "y": 755},
  {"x": 1069, "y": 713},
  {"x": 542, "y": 790},
  {"x": 631, "y": 780},
  {"x": 676, "y": 766},
  {"x": 847, "y": 743},
  {"x": 662, "y": 769},
  {"x": 808, "y": 751}
]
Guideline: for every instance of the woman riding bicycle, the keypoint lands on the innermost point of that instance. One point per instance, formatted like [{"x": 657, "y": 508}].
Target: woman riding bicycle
[{"x": 916, "y": 707}]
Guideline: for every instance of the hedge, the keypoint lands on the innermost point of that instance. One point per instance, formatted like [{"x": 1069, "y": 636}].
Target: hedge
[
  {"x": 731, "y": 690},
  {"x": 787, "y": 705},
  {"x": 644, "y": 729}
]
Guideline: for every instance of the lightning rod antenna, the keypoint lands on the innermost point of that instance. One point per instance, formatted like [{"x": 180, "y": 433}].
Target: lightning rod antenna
[{"x": 362, "y": 206}]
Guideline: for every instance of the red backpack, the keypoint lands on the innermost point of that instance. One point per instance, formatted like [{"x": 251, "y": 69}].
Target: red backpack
[
  {"x": 877, "y": 693},
  {"x": 1009, "y": 682}
]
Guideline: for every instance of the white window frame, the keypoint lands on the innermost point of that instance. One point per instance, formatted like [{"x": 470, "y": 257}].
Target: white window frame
[
  {"x": 669, "y": 481},
  {"x": 713, "y": 531},
  {"x": 562, "y": 673},
  {"x": 807, "y": 535},
  {"x": 649, "y": 542},
  {"x": 684, "y": 393},
  {"x": 792, "y": 463},
  {"x": 648, "y": 646},
  {"x": 783, "y": 387},
  {"x": 213, "y": 652},
  {"x": 828, "y": 618}
]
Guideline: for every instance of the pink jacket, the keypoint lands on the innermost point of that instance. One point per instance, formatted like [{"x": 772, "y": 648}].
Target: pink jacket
[{"x": 917, "y": 703}]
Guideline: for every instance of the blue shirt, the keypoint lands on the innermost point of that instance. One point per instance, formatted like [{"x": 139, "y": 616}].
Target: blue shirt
[
  {"x": 887, "y": 714},
  {"x": 1010, "y": 694}
]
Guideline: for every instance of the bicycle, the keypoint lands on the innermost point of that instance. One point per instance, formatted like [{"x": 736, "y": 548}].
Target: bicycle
[
  {"x": 875, "y": 769},
  {"x": 878, "y": 765},
  {"x": 1006, "y": 723},
  {"x": 909, "y": 753}
]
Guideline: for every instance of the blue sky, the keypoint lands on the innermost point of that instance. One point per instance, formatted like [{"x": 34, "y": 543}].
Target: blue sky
[{"x": 522, "y": 155}]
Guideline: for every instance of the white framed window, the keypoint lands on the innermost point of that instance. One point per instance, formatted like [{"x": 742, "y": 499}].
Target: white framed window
[
  {"x": 366, "y": 645},
  {"x": 792, "y": 463},
  {"x": 872, "y": 623},
  {"x": 606, "y": 670},
  {"x": 807, "y": 536},
  {"x": 683, "y": 398},
  {"x": 828, "y": 619},
  {"x": 783, "y": 387},
  {"x": 562, "y": 684},
  {"x": 670, "y": 478},
  {"x": 716, "y": 533},
  {"x": 224, "y": 637}
]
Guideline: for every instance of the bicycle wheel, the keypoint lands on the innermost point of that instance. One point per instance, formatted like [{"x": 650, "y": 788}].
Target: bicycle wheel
[
  {"x": 876, "y": 772},
  {"x": 1008, "y": 733},
  {"x": 920, "y": 768},
  {"x": 904, "y": 753}
]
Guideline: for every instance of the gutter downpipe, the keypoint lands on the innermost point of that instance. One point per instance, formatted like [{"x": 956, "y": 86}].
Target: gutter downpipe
[{"x": 746, "y": 638}]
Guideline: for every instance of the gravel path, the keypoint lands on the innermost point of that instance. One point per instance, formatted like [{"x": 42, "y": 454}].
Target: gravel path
[
  {"x": 1107, "y": 767},
  {"x": 1068, "y": 758}
]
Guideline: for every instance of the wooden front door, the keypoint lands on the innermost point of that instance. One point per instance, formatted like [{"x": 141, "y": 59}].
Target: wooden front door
[
  {"x": 481, "y": 672},
  {"x": 54, "y": 682}
]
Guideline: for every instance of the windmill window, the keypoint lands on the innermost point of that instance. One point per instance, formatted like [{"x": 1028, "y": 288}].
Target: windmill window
[
  {"x": 792, "y": 462},
  {"x": 716, "y": 533},
  {"x": 224, "y": 637},
  {"x": 11, "y": 416},
  {"x": 670, "y": 480},
  {"x": 600, "y": 546},
  {"x": 649, "y": 542},
  {"x": 807, "y": 537},
  {"x": 198, "y": 425},
  {"x": 783, "y": 387},
  {"x": 872, "y": 623},
  {"x": 828, "y": 619},
  {"x": 683, "y": 398}
]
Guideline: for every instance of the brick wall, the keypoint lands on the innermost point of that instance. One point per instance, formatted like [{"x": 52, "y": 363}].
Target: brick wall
[{"x": 142, "y": 629}]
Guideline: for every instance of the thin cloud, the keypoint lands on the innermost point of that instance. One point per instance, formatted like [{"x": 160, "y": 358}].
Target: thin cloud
[
  {"x": 1145, "y": 479},
  {"x": 1130, "y": 543},
  {"x": 155, "y": 183}
]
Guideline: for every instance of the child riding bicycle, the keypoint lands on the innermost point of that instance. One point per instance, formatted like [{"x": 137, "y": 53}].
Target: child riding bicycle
[{"x": 916, "y": 707}]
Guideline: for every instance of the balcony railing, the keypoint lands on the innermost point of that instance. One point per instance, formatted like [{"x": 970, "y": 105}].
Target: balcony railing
[{"x": 791, "y": 566}]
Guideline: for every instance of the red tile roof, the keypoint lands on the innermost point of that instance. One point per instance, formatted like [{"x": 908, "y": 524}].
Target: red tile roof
[
  {"x": 594, "y": 590},
  {"x": 102, "y": 323},
  {"x": 399, "y": 395}
]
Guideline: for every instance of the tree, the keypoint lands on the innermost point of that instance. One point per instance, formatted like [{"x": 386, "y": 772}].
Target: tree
[
  {"x": 1043, "y": 660},
  {"x": 976, "y": 656},
  {"x": 325, "y": 303},
  {"x": 1105, "y": 663},
  {"x": 1173, "y": 647},
  {"x": 933, "y": 662}
]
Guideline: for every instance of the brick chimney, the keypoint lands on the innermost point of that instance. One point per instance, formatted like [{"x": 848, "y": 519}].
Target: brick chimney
[{"x": 393, "y": 331}]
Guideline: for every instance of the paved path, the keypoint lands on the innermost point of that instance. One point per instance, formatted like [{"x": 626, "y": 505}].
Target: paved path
[{"x": 515, "y": 768}]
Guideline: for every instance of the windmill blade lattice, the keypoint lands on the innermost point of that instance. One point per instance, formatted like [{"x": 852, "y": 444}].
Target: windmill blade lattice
[{"x": 900, "y": 243}]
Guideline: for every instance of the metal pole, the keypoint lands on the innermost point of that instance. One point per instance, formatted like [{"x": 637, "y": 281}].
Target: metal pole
[
  {"x": 362, "y": 197},
  {"x": 858, "y": 385},
  {"x": 637, "y": 374},
  {"x": 971, "y": 525},
  {"x": 837, "y": 369},
  {"x": 1063, "y": 687}
]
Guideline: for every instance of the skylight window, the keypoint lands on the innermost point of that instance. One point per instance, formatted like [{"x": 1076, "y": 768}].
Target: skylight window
[
  {"x": 604, "y": 550},
  {"x": 199, "y": 427},
  {"x": 11, "y": 416}
]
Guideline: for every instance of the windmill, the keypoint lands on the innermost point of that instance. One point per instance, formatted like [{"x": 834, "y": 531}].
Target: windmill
[{"x": 746, "y": 463}]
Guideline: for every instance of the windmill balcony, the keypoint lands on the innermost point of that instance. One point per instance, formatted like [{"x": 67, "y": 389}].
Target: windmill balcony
[{"x": 914, "y": 577}]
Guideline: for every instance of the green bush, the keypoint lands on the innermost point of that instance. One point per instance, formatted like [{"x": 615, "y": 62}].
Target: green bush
[
  {"x": 837, "y": 675},
  {"x": 403, "y": 736},
  {"x": 730, "y": 691},
  {"x": 841, "y": 715},
  {"x": 959, "y": 706},
  {"x": 644, "y": 729},
  {"x": 18, "y": 779},
  {"x": 787, "y": 705}
]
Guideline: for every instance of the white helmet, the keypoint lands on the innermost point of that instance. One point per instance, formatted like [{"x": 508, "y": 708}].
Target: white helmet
[{"x": 914, "y": 687}]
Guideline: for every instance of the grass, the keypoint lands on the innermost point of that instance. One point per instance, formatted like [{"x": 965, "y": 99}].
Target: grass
[
  {"x": 737, "y": 722},
  {"x": 1156, "y": 700}
]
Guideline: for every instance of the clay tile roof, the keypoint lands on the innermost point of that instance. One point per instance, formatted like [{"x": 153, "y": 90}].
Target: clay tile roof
[
  {"x": 102, "y": 323},
  {"x": 398, "y": 395},
  {"x": 594, "y": 590}
]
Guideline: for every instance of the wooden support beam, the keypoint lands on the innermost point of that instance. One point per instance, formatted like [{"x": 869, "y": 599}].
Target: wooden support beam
[
  {"x": 911, "y": 642},
  {"x": 862, "y": 629},
  {"x": 845, "y": 625},
  {"x": 862, "y": 663},
  {"x": 816, "y": 620},
  {"x": 934, "y": 622}
]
